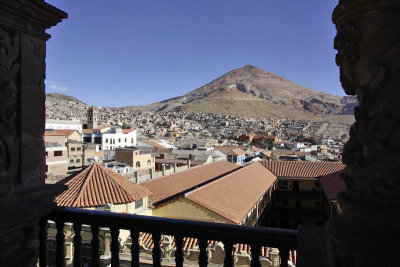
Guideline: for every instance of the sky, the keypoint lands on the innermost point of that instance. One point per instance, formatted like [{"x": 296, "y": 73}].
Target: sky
[{"x": 136, "y": 52}]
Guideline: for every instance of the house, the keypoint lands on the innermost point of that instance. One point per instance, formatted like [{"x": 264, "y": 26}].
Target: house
[
  {"x": 298, "y": 192},
  {"x": 113, "y": 193},
  {"x": 110, "y": 138},
  {"x": 175, "y": 185},
  {"x": 73, "y": 135},
  {"x": 236, "y": 155},
  {"x": 56, "y": 154},
  {"x": 92, "y": 153},
  {"x": 51, "y": 124},
  {"x": 135, "y": 158},
  {"x": 211, "y": 193}
]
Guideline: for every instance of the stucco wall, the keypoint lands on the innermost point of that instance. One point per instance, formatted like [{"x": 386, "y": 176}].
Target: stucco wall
[{"x": 183, "y": 208}]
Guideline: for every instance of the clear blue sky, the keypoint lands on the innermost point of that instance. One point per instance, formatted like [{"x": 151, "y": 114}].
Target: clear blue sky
[{"x": 129, "y": 52}]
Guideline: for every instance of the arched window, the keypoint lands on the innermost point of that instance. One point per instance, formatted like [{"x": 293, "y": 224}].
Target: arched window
[
  {"x": 149, "y": 163},
  {"x": 137, "y": 164}
]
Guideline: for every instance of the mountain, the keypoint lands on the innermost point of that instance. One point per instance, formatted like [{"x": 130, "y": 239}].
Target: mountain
[
  {"x": 61, "y": 97},
  {"x": 251, "y": 91}
]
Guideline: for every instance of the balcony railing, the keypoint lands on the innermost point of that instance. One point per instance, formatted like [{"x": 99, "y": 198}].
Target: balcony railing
[{"x": 229, "y": 234}]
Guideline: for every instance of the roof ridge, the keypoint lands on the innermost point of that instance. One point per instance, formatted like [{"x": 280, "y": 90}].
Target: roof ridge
[
  {"x": 110, "y": 175},
  {"x": 89, "y": 175}
]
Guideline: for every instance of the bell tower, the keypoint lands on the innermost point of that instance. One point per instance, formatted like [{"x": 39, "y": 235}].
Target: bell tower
[{"x": 92, "y": 118}]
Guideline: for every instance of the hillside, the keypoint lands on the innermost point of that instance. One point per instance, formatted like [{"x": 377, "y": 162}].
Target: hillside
[
  {"x": 251, "y": 91},
  {"x": 61, "y": 97}
]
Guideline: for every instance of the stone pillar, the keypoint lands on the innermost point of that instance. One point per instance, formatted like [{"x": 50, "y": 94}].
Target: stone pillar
[
  {"x": 368, "y": 44},
  {"x": 274, "y": 254},
  {"x": 174, "y": 167},
  {"x": 24, "y": 197},
  {"x": 163, "y": 170},
  {"x": 188, "y": 164},
  {"x": 151, "y": 173}
]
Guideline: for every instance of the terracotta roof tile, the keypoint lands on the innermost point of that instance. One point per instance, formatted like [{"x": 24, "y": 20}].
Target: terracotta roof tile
[
  {"x": 178, "y": 183},
  {"x": 65, "y": 133},
  {"x": 222, "y": 196},
  {"x": 97, "y": 186},
  {"x": 125, "y": 131},
  {"x": 302, "y": 169},
  {"x": 236, "y": 152}
]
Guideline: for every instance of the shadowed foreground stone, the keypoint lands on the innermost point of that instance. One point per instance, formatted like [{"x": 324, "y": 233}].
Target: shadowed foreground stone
[
  {"x": 24, "y": 197},
  {"x": 368, "y": 44}
]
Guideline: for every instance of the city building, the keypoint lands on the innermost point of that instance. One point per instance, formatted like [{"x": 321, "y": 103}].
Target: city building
[
  {"x": 110, "y": 138},
  {"x": 298, "y": 193},
  {"x": 137, "y": 159},
  {"x": 56, "y": 154},
  {"x": 52, "y": 124}
]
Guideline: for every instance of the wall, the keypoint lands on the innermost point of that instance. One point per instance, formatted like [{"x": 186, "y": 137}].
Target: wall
[
  {"x": 118, "y": 140},
  {"x": 182, "y": 208},
  {"x": 56, "y": 164},
  {"x": 76, "y": 136},
  {"x": 75, "y": 154}
]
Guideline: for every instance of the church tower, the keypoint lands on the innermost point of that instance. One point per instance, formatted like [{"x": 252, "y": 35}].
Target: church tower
[{"x": 92, "y": 118}]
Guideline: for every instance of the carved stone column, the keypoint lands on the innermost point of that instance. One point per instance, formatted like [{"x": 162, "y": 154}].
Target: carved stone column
[
  {"x": 367, "y": 233},
  {"x": 24, "y": 198}
]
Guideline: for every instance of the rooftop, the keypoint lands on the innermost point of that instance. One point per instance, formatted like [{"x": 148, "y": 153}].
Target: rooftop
[
  {"x": 97, "y": 186},
  {"x": 179, "y": 183},
  {"x": 222, "y": 196},
  {"x": 302, "y": 169}
]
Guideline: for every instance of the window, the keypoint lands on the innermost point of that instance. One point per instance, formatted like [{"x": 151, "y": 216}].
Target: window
[
  {"x": 106, "y": 140},
  {"x": 78, "y": 160},
  {"x": 283, "y": 185},
  {"x": 78, "y": 149},
  {"x": 126, "y": 140},
  {"x": 72, "y": 148},
  {"x": 119, "y": 140},
  {"x": 47, "y": 154},
  {"x": 139, "y": 203},
  {"x": 58, "y": 153},
  {"x": 71, "y": 161},
  {"x": 132, "y": 140},
  {"x": 137, "y": 164},
  {"x": 149, "y": 163}
]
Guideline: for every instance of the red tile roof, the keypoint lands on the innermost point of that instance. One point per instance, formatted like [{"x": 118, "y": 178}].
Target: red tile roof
[
  {"x": 302, "y": 169},
  {"x": 332, "y": 185},
  {"x": 65, "y": 133},
  {"x": 97, "y": 186},
  {"x": 125, "y": 131},
  {"x": 229, "y": 198},
  {"x": 236, "y": 152},
  {"x": 179, "y": 183}
]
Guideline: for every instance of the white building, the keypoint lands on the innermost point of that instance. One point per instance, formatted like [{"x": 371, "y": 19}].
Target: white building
[
  {"x": 110, "y": 137},
  {"x": 63, "y": 125}
]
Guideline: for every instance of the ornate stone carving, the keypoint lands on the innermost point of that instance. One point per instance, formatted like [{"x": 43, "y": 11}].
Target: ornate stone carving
[
  {"x": 9, "y": 69},
  {"x": 368, "y": 44}
]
